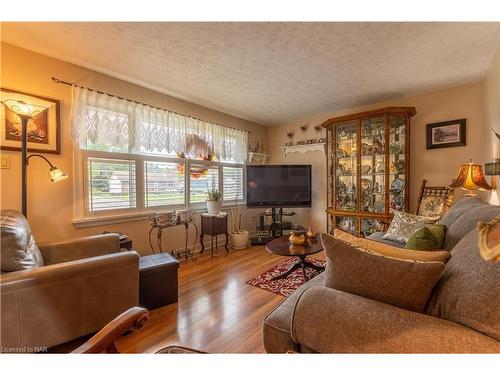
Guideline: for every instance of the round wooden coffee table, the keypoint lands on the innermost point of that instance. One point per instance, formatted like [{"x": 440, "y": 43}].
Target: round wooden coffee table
[{"x": 281, "y": 246}]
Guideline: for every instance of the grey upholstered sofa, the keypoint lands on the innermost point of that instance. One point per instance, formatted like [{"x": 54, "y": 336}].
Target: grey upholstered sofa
[{"x": 462, "y": 316}]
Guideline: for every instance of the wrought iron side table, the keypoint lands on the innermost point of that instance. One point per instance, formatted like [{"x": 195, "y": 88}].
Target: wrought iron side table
[{"x": 161, "y": 221}]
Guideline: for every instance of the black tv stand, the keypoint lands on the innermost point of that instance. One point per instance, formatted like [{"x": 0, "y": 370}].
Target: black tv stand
[
  {"x": 278, "y": 225},
  {"x": 276, "y": 228}
]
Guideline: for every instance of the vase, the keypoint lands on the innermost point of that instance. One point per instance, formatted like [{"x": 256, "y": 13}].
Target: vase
[
  {"x": 214, "y": 207},
  {"x": 239, "y": 240}
]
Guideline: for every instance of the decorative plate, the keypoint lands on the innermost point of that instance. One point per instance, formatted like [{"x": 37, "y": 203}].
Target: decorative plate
[{"x": 397, "y": 185}]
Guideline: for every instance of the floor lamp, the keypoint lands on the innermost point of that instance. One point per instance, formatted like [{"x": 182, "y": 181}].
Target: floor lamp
[{"x": 26, "y": 112}]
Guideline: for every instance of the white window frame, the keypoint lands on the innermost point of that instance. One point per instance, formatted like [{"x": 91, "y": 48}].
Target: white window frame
[{"x": 86, "y": 218}]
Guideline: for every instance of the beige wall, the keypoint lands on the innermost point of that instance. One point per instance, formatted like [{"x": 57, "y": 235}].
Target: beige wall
[
  {"x": 50, "y": 206},
  {"x": 492, "y": 116},
  {"x": 438, "y": 166}
]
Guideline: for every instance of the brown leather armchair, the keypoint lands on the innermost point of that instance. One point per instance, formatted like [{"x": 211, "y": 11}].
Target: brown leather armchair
[{"x": 83, "y": 284}]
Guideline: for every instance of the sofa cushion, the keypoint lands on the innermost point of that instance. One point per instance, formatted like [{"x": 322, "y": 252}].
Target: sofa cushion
[
  {"x": 379, "y": 237},
  {"x": 19, "y": 249},
  {"x": 430, "y": 237},
  {"x": 469, "y": 290},
  {"x": 467, "y": 222},
  {"x": 403, "y": 283},
  {"x": 277, "y": 325},
  {"x": 391, "y": 250},
  {"x": 458, "y": 209},
  {"x": 404, "y": 225}
]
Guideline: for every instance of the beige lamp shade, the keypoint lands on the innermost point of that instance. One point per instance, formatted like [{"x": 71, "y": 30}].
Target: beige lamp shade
[
  {"x": 471, "y": 177},
  {"x": 23, "y": 109},
  {"x": 56, "y": 175}
]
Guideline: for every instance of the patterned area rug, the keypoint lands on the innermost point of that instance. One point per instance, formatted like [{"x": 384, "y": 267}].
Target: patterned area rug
[{"x": 284, "y": 287}]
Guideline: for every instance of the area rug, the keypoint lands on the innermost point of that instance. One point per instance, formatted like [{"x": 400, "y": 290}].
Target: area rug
[{"x": 284, "y": 287}]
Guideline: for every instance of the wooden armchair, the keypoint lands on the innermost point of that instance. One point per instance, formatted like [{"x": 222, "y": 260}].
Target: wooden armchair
[
  {"x": 131, "y": 320},
  {"x": 104, "y": 341},
  {"x": 434, "y": 201}
]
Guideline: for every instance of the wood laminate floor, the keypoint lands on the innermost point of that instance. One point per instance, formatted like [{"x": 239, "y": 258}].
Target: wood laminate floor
[{"x": 217, "y": 311}]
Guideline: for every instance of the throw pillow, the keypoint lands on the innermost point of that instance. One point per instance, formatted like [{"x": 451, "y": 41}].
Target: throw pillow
[
  {"x": 403, "y": 283},
  {"x": 19, "y": 249},
  {"x": 392, "y": 251},
  {"x": 431, "y": 206},
  {"x": 430, "y": 237},
  {"x": 404, "y": 225}
]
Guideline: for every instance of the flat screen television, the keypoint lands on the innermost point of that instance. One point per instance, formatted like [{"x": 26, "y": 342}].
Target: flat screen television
[{"x": 278, "y": 185}]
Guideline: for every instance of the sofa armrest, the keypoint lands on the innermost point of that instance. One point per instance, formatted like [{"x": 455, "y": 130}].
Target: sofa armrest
[
  {"x": 80, "y": 248},
  {"x": 49, "y": 305},
  {"x": 326, "y": 320}
]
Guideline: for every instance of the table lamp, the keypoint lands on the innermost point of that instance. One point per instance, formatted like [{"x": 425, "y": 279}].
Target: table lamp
[
  {"x": 470, "y": 178},
  {"x": 25, "y": 112}
]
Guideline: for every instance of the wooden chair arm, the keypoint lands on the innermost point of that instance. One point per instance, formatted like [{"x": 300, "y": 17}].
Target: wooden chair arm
[{"x": 104, "y": 341}]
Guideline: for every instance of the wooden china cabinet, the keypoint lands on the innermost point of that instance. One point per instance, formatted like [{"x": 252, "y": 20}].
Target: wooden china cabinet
[{"x": 368, "y": 156}]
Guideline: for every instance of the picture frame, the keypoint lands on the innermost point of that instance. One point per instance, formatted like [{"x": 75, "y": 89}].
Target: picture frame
[
  {"x": 444, "y": 134},
  {"x": 44, "y": 131}
]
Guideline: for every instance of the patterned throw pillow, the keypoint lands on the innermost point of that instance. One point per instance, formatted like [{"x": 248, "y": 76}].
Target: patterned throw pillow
[
  {"x": 404, "y": 225},
  {"x": 431, "y": 206}
]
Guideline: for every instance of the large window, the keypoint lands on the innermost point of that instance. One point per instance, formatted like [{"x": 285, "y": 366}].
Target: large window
[
  {"x": 131, "y": 157},
  {"x": 232, "y": 184},
  {"x": 139, "y": 183},
  {"x": 163, "y": 184},
  {"x": 201, "y": 180},
  {"x": 111, "y": 184}
]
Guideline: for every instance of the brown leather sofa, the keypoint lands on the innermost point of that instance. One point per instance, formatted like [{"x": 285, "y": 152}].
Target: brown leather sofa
[
  {"x": 84, "y": 283},
  {"x": 462, "y": 315}
]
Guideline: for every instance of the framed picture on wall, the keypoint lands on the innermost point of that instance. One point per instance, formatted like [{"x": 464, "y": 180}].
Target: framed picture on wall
[
  {"x": 43, "y": 130},
  {"x": 446, "y": 134}
]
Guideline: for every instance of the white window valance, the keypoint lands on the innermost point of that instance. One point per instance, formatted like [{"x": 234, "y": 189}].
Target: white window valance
[{"x": 107, "y": 123}]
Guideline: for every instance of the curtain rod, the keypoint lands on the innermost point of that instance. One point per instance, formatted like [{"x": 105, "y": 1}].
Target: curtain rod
[{"x": 57, "y": 80}]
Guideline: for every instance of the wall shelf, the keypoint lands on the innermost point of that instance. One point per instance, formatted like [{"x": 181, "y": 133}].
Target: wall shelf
[
  {"x": 303, "y": 148},
  {"x": 257, "y": 157}
]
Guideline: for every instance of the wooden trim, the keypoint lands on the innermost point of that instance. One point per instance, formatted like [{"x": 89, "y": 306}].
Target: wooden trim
[{"x": 409, "y": 111}]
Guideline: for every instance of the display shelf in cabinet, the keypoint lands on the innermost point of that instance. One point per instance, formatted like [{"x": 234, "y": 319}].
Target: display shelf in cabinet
[{"x": 303, "y": 148}]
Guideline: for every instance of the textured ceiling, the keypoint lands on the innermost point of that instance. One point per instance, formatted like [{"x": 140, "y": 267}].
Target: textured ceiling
[{"x": 272, "y": 73}]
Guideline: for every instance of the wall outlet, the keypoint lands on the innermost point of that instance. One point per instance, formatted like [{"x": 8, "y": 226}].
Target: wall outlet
[{"x": 5, "y": 162}]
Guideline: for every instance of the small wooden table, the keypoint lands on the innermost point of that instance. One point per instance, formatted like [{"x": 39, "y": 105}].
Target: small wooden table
[
  {"x": 213, "y": 225},
  {"x": 281, "y": 246}
]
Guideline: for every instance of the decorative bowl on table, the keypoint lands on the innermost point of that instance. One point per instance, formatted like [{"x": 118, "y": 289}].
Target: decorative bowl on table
[
  {"x": 311, "y": 234},
  {"x": 296, "y": 239}
]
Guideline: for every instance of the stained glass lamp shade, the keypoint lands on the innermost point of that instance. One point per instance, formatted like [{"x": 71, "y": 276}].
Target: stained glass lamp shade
[{"x": 471, "y": 177}]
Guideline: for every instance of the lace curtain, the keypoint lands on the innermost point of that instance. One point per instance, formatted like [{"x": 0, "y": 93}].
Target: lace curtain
[{"x": 107, "y": 123}]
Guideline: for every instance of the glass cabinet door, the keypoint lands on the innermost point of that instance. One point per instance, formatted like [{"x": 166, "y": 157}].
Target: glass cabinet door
[
  {"x": 346, "y": 166},
  {"x": 397, "y": 163},
  {"x": 330, "y": 145},
  {"x": 369, "y": 226},
  {"x": 347, "y": 224},
  {"x": 373, "y": 165}
]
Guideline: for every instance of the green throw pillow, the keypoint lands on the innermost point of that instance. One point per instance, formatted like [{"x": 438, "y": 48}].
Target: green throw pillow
[{"x": 430, "y": 237}]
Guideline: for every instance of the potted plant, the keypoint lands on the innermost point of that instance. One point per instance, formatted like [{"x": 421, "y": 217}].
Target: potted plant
[
  {"x": 239, "y": 237},
  {"x": 214, "y": 202}
]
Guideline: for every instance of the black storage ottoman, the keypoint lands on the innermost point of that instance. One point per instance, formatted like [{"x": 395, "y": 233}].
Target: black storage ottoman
[{"x": 158, "y": 280}]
